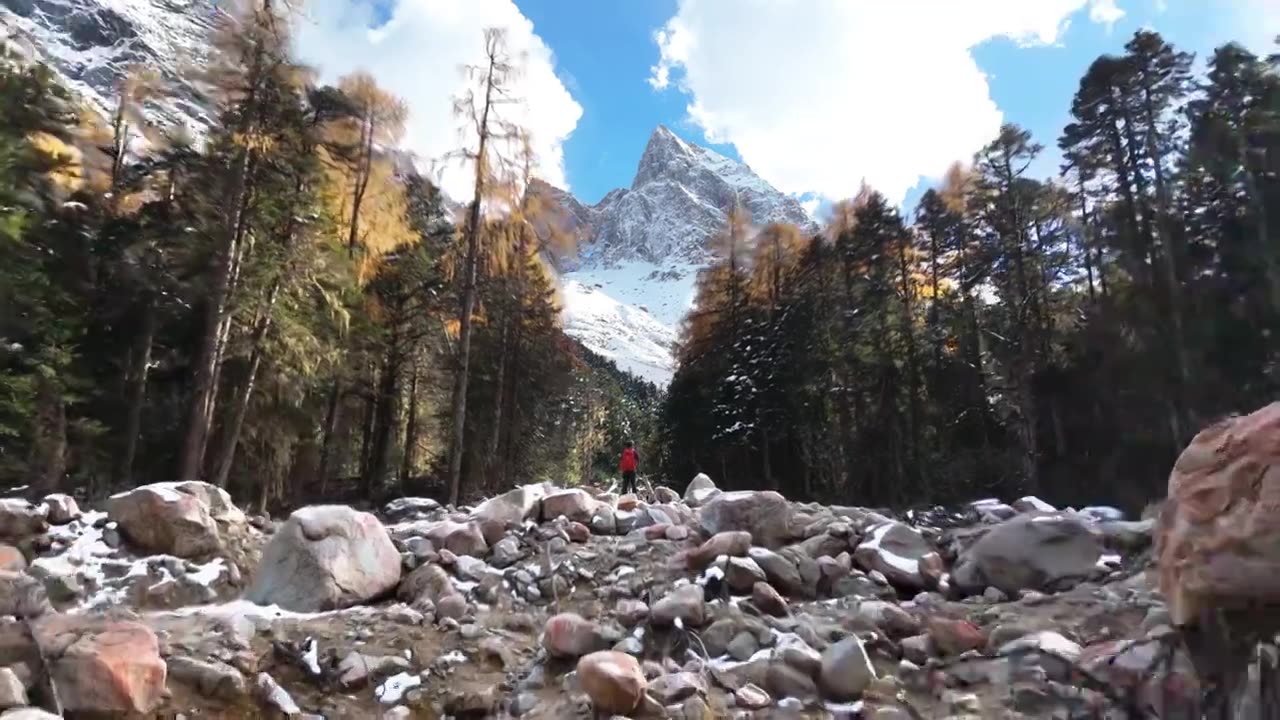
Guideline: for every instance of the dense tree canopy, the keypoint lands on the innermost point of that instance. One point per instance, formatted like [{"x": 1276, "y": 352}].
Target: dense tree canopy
[
  {"x": 1063, "y": 336},
  {"x": 275, "y": 308}
]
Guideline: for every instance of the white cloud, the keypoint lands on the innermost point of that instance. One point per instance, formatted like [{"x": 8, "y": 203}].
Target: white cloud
[
  {"x": 1105, "y": 12},
  {"x": 811, "y": 207},
  {"x": 418, "y": 53},
  {"x": 1256, "y": 23},
  {"x": 818, "y": 95}
]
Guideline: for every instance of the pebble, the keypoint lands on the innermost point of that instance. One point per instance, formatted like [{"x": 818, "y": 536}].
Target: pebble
[{"x": 751, "y": 697}]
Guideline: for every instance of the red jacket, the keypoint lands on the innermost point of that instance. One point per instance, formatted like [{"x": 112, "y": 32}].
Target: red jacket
[{"x": 629, "y": 460}]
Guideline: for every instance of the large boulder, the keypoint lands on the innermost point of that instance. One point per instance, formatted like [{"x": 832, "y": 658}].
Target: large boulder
[
  {"x": 325, "y": 557},
  {"x": 1218, "y": 536},
  {"x": 846, "y": 670},
  {"x": 1126, "y": 535},
  {"x": 102, "y": 666},
  {"x": 429, "y": 587},
  {"x": 513, "y": 507},
  {"x": 459, "y": 538},
  {"x": 575, "y": 504},
  {"x": 742, "y": 574},
  {"x": 1029, "y": 552},
  {"x": 604, "y": 521},
  {"x": 781, "y": 572},
  {"x": 22, "y": 595},
  {"x": 12, "y": 559},
  {"x": 763, "y": 513},
  {"x": 901, "y": 554},
  {"x": 700, "y": 490},
  {"x": 409, "y": 508},
  {"x": 1033, "y": 504},
  {"x": 685, "y": 605},
  {"x": 61, "y": 509},
  {"x": 613, "y": 680},
  {"x": 187, "y": 519},
  {"x": 19, "y": 518},
  {"x": 954, "y": 637},
  {"x": 734, "y": 544},
  {"x": 569, "y": 635}
]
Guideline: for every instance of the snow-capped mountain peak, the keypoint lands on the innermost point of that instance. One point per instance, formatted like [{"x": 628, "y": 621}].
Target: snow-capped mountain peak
[
  {"x": 680, "y": 197},
  {"x": 642, "y": 246}
]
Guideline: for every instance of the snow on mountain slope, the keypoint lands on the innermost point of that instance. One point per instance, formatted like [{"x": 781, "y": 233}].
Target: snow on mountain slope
[
  {"x": 624, "y": 333},
  {"x": 665, "y": 292},
  {"x": 91, "y": 45},
  {"x": 632, "y": 280}
]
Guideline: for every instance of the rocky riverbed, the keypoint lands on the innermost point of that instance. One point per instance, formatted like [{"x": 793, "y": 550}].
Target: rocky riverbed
[{"x": 168, "y": 601}]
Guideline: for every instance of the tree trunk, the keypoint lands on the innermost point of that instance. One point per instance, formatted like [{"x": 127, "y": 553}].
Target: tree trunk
[
  {"x": 384, "y": 418},
  {"x": 216, "y": 316},
  {"x": 362, "y": 183},
  {"x": 223, "y": 262},
  {"x": 510, "y": 397},
  {"x": 914, "y": 411},
  {"x": 1059, "y": 429},
  {"x": 137, "y": 391},
  {"x": 1025, "y": 362},
  {"x": 1084, "y": 238},
  {"x": 1169, "y": 257},
  {"x": 410, "y": 428},
  {"x": 766, "y": 462},
  {"x": 1269, "y": 252},
  {"x": 240, "y": 406},
  {"x": 470, "y": 271},
  {"x": 499, "y": 398},
  {"x": 371, "y": 398},
  {"x": 935, "y": 332},
  {"x": 47, "y": 460},
  {"x": 1120, "y": 164},
  {"x": 332, "y": 417}
]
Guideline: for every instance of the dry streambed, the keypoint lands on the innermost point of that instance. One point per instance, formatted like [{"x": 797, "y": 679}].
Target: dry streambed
[{"x": 559, "y": 603}]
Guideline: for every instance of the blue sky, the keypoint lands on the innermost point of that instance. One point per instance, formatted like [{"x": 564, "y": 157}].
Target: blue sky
[
  {"x": 604, "y": 51},
  {"x": 816, "y": 95}
]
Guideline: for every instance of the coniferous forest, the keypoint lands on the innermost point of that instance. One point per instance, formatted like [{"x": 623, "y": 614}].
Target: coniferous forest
[
  {"x": 284, "y": 307},
  {"x": 1013, "y": 334}
]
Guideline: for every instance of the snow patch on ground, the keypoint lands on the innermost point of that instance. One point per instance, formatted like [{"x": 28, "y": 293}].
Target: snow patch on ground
[{"x": 107, "y": 574}]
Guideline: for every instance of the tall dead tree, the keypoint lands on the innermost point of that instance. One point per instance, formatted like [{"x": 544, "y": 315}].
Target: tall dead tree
[{"x": 479, "y": 110}]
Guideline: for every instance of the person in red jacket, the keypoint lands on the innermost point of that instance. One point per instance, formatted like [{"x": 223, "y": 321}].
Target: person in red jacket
[{"x": 630, "y": 461}]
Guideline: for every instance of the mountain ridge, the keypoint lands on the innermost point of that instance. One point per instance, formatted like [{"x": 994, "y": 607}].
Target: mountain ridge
[
  {"x": 642, "y": 247},
  {"x": 679, "y": 197}
]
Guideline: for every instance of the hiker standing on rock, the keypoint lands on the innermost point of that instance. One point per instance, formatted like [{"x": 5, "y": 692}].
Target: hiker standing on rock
[{"x": 630, "y": 461}]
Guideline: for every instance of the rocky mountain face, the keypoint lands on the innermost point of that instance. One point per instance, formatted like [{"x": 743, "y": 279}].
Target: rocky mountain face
[
  {"x": 680, "y": 197},
  {"x": 92, "y": 44},
  {"x": 549, "y": 602},
  {"x": 632, "y": 279}
]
